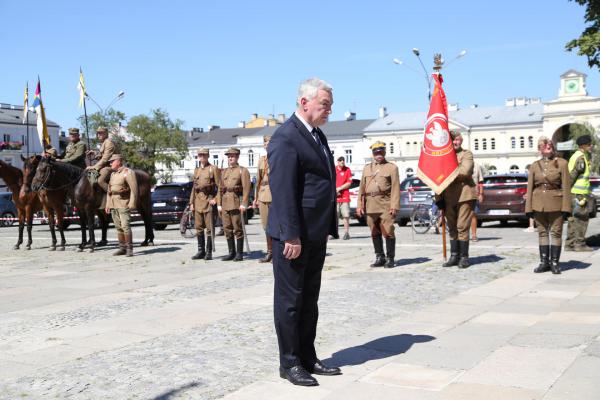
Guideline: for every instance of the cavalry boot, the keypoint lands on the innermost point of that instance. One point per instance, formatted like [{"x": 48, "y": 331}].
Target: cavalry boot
[
  {"x": 239, "y": 255},
  {"x": 453, "y": 260},
  {"x": 544, "y": 260},
  {"x": 269, "y": 256},
  {"x": 463, "y": 247},
  {"x": 379, "y": 254},
  {"x": 121, "y": 251},
  {"x": 390, "y": 245},
  {"x": 201, "y": 252},
  {"x": 554, "y": 257},
  {"x": 209, "y": 248},
  {"x": 231, "y": 246},
  {"x": 129, "y": 245}
]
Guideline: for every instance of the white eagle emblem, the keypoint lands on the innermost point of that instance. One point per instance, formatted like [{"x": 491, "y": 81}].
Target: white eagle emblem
[{"x": 437, "y": 135}]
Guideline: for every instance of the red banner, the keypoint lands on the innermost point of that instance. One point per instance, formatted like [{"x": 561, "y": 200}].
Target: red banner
[{"x": 438, "y": 165}]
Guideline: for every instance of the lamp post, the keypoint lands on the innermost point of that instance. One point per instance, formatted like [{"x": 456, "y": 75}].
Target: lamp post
[{"x": 103, "y": 111}]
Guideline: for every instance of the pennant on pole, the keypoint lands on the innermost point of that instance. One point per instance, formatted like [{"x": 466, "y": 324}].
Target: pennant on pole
[
  {"x": 438, "y": 165},
  {"x": 42, "y": 128},
  {"x": 26, "y": 102},
  {"x": 81, "y": 88}
]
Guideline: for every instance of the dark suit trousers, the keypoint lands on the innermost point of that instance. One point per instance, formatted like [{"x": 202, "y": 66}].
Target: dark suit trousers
[{"x": 297, "y": 287}]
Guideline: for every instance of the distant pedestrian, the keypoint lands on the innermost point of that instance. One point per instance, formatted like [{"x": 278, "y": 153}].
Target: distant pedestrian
[
  {"x": 343, "y": 181},
  {"x": 548, "y": 201}
]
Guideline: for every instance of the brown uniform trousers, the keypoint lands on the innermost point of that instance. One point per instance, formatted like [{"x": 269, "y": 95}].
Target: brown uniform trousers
[
  {"x": 548, "y": 196},
  {"x": 263, "y": 191},
  {"x": 122, "y": 197},
  {"x": 107, "y": 149},
  {"x": 379, "y": 191},
  {"x": 235, "y": 183},
  {"x": 460, "y": 197},
  {"x": 205, "y": 189}
]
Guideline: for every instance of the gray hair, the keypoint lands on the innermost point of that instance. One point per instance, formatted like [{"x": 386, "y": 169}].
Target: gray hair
[{"x": 310, "y": 87}]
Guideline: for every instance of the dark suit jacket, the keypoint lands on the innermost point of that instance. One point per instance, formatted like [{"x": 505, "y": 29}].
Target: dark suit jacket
[{"x": 302, "y": 180}]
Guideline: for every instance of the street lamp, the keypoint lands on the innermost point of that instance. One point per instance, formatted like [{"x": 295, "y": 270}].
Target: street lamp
[{"x": 118, "y": 97}]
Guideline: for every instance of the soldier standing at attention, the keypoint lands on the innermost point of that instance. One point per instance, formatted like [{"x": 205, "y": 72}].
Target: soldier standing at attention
[
  {"x": 379, "y": 199},
  {"x": 122, "y": 197},
  {"x": 262, "y": 199},
  {"x": 233, "y": 201},
  {"x": 549, "y": 202},
  {"x": 75, "y": 151},
  {"x": 202, "y": 200},
  {"x": 107, "y": 149},
  {"x": 458, "y": 201},
  {"x": 579, "y": 168}
]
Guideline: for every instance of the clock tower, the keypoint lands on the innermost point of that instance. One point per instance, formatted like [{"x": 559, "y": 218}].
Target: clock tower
[{"x": 572, "y": 84}]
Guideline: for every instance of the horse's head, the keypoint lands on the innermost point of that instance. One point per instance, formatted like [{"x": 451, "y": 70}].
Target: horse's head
[
  {"x": 41, "y": 174},
  {"x": 29, "y": 170}
]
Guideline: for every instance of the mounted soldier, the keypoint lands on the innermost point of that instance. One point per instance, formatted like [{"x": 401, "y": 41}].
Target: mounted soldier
[
  {"x": 75, "y": 152},
  {"x": 102, "y": 166}
]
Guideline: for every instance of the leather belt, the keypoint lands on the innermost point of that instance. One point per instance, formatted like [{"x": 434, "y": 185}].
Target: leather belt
[
  {"x": 380, "y": 193},
  {"x": 547, "y": 186}
]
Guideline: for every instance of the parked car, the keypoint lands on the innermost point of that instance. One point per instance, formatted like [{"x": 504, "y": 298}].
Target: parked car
[
  {"x": 354, "y": 201},
  {"x": 168, "y": 202},
  {"x": 413, "y": 191},
  {"x": 503, "y": 198},
  {"x": 595, "y": 184},
  {"x": 7, "y": 208}
]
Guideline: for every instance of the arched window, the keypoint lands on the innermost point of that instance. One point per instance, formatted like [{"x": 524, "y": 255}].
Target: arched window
[
  {"x": 492, "y": 170},
  {"x": 514, "y": 169},
  {"x": 522, "y": 142},
  {"x": 530, "y": 142},
  {"x": 476, "y": 144},
  {"x": 493, "y": 143},
  {"x": 513, "y": 143},
  {"x": 409, "y": 172},
  {"x": 250, "y": 158},
  {"x": 484, "y": 144},
  {"x": 391, "y": 147}
]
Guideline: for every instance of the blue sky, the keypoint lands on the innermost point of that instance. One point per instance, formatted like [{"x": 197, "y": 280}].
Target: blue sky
[{"x": 218, "y": 62}]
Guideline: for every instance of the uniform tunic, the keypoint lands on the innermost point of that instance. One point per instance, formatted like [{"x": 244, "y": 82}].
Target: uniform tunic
[
  {"x": 460, "y": 197},
  {"x": 263, "y": 191},
  {"x": 379, "y": 192},
  {"x": 122, "y": 197},
  {"x": 75, "y": 154},
  {"x": 107, "y": 149},
  {"x": 234, "y": 192},
  {"x": 548, "y": 196},
  {"x": 206, "y": 186}
]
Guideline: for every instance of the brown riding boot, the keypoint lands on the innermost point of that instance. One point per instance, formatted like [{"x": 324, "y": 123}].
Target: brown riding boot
[
  {"x": 269, "y": 256},
  {"x": 121, "y": 251},
  {"x": 129, "y": 245}
]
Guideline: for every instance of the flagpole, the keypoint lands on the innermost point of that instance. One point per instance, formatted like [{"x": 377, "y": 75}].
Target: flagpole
[
  {"x": 27, "y": 123},
  {"x": 437, "y": 66}
]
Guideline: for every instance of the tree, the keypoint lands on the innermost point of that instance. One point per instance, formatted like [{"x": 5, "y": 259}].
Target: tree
[
  {"x": 153, "y": 139},
  {"x": 579, "y": 129},
  {"x": 588, "y": 43}
]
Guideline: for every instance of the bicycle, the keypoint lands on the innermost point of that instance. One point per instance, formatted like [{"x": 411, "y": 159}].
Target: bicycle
[{"x": 424, "y": 216}]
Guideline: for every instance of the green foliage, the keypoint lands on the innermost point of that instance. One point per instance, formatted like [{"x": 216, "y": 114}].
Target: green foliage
[
  {"x": 111, "y": 119},
  {"x": 577, "y": 130},
  {"x": 588, "y": 43}
]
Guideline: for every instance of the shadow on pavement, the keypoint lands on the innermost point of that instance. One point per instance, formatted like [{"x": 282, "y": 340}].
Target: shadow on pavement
[
  {"x": 408, "y": 261},
  {"x": 157, "y": 249},
  {"x": 175, "y": 392},
  {"x": 384, "y": 347},
  {"x": 574, "y": 264},
  {"x": 254, "y": 255},
  {"x": 484, "y": 259},
  {"x": 481, "y": 239}
]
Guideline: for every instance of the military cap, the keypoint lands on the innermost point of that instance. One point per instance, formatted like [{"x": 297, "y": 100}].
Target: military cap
[
  {"x": 203, "y": 150},
  {"x": 232, "y": 150},
  {"x": 584, "y": 139},
  {"x": 115, "y": 157},
  {"x": 377, "y": 146},
  {"x": 454, "y": 134},
  {"x": 102, "y": 129},
  {"x": 73, "y": 131}
]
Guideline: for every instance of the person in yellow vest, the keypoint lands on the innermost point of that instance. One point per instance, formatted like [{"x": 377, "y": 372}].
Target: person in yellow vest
[
  {"x": 107, "y": 149},
  {"x": 262, "y": 199},
  {"x": 232, "y": 200},
  {"x": 379, "y": 200},
  {"x": 579, "y": 169},
  {"x": 548, "y": 200},
  {"x": 202, "y": 200},
  {"x": 122, "y": 196}
]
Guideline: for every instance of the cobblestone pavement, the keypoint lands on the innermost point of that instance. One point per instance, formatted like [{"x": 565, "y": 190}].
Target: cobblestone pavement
[{"x": 161, "y": 326}]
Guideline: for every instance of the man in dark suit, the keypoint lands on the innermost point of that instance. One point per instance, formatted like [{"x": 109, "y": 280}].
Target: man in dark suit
[{"x": 301, "y": 218}]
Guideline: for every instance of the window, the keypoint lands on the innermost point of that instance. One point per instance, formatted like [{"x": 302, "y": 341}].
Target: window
[
  {"x": 522, "y": 142},
  {"x": 250, "y": 158},
  {"x": 530, "y": 142},
  {"x": 197, "y": 163},
  {"x": 476, "y": 144},
  {"x": 493, "y": 143},
  {"x": 484, "y": 144},
  {"x": 6, "y": 137},
  {"x": 409, "y": 172},
  {"x": 182, "y": 164},
  {"x": 514, "y": 169},
  {"x": 492, "y": 170},
  {"x": 215, "y": 159},
  {"x": 513, "y": 143},
  {"x": 391, "y": 147},
  {"x": 348, "y": 156}
]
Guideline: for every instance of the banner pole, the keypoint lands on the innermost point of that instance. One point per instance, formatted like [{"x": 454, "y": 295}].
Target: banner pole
[{"x": 87, "y": 130}]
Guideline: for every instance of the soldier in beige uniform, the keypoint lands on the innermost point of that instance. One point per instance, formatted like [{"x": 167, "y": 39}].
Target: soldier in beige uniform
[
  {"x": 75, "y": 151},
  {"x": 379, "y": 199},
  {"x": 202, "y": 201},
  {"x": 458, "y": 201},
  {"x": 107, "y": 149},
  {"x": 122, "y": 197},
  {"x": 233, "y": 201},
  {"x": 262, "y": 199},
  {"x": 549, "y": 202}
]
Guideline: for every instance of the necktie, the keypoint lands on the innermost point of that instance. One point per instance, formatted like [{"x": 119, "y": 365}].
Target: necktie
[{"x": 315, "y": 135}]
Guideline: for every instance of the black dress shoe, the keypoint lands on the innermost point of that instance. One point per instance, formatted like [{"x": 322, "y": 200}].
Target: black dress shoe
[
  {"x": 298, "y": 376},
  {"x": 321, "y": 369}
]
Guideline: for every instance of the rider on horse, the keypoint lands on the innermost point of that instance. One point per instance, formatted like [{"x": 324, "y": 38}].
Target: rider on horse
[
  {"x": 107, "y": 149},
  {"x": 75, "y": 152}
]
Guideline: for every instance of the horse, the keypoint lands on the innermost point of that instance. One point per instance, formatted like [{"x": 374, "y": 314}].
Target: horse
[
  {"x": 27, "y": 203},
  {"x": 89, "y": 198}
]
